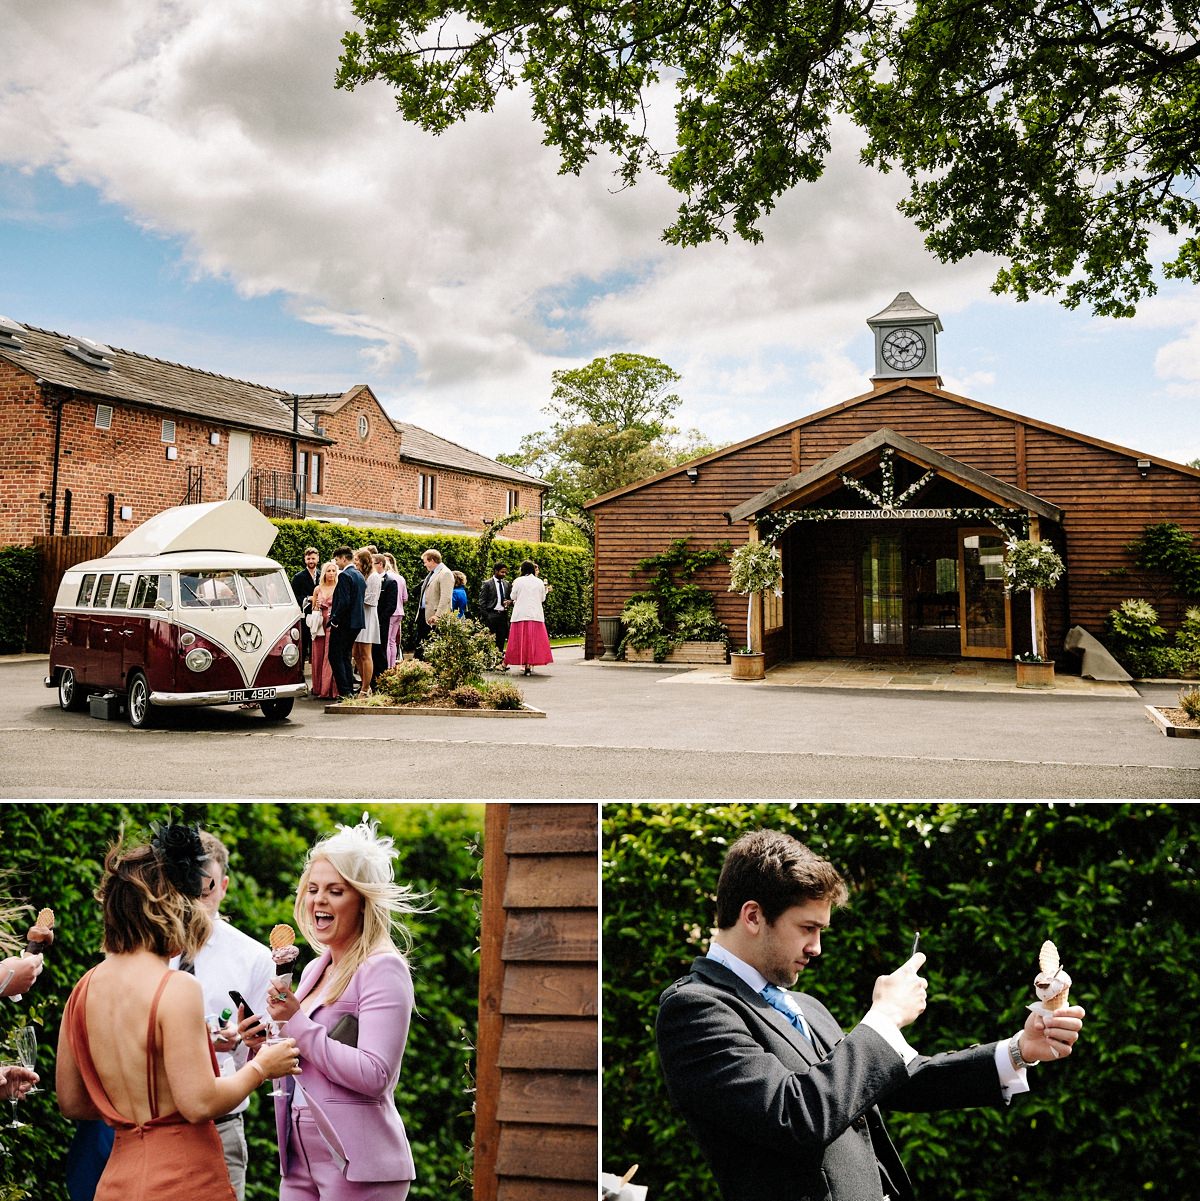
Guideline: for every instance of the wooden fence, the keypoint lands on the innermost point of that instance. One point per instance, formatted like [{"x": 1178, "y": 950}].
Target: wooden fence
[
  {"x": 537, "y": 1078},
  {"x": 56, "y": 554}
]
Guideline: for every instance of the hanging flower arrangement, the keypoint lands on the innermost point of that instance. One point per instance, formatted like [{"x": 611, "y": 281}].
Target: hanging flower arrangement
[{"x": 1029, "y": 565}]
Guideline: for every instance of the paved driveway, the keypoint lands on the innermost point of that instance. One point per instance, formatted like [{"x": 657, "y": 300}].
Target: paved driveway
[{"x": 615, "y": 731}]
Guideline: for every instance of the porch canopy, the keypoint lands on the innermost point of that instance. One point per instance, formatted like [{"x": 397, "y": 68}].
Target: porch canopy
[{"x": 841, "y": 469}]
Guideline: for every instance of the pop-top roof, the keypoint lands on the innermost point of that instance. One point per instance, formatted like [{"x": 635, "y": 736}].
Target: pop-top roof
[{"x": 222, "y": 525}]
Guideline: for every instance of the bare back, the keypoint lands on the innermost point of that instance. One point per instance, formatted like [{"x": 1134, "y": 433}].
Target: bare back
[{"x": 121, "y": 994}]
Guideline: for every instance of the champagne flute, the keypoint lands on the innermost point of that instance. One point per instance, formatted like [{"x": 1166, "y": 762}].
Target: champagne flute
[
  {"x": 276, "y": 1033},
  {"x": 10, "y": 1059},
  {"x": 25, "y": 1042}
]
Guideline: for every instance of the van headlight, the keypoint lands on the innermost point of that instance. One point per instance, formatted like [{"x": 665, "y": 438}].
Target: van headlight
[
  {"x": 291, "y": 654},
  {"x": 199, "y": 659}
]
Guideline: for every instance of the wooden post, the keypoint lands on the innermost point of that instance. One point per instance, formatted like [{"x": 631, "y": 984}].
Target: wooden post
[
  {"x": 1039, "y": 601},
  {"x": 491, "y": 988},
  {"x": 756, "y": 607}
]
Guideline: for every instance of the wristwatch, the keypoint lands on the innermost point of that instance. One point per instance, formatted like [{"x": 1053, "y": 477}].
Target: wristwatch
[{"x": 1014, "y": 1054}]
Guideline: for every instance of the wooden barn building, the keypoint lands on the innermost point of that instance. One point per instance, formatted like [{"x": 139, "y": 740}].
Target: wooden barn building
[{"x": 891, "y": 510}]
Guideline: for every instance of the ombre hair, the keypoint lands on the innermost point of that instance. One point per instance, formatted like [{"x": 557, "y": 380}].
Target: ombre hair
[
  {"x": 363, "y": 858},
  {"x": 143, "y": 910}
]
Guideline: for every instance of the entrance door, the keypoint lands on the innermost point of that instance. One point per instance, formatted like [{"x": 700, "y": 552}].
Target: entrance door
[
  {"x": 238, "y": 464},
  {"x": 881, "y": 612},
  {"x": 986, "y": 615}
]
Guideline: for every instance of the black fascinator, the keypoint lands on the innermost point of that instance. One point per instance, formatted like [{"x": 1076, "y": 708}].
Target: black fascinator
[{"x": 181, "y": 853}]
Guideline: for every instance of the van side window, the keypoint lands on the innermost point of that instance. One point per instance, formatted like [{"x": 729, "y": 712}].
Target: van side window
[
  {"x": 207, "y": 589},
  {"x": 120, "y": 597},
  {"x": 86, "y": 588},
  {"x": 267, "y": 588},
  {"x": 102, "y": 590},
  {"x": 151, "y": 589}
]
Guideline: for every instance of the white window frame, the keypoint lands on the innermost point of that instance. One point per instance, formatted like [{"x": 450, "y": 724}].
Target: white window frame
[
  {"x": 168, "y": 430},
  {"x": 104, "y": 417},
  {"x": 427, "y": 491}
]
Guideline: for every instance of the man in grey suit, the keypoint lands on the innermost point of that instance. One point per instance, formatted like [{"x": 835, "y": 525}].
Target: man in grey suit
[{"x": 783, "y": 1103}]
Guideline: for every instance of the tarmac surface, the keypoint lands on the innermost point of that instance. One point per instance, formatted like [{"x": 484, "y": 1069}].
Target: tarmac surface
[{"x": 810, "y": 731}]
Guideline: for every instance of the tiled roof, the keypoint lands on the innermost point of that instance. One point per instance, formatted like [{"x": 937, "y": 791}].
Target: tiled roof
[
  {"x": 140, "y": 379},
  {"x": 420, "y": 446}
]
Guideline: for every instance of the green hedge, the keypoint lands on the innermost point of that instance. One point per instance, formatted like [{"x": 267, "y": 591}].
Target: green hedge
[
  {"x": 55, "y": 852},
  {"x": 567, "y": 568},
  {"x": 18, "y": 586},
  {"x": 1115, "y": 886}
]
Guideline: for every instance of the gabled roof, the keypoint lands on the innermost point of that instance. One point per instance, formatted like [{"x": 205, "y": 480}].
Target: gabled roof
[
  {"x": 867, "y": 448},
  {"x": 420, "y": 446},
  {"x": 882, "y": 389},
  {"x": 153, "y": 383}
]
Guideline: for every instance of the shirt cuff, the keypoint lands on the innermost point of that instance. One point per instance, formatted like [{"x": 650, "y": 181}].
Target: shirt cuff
[
  {"x": 892, "y": 1036},
  {"x": 1013, "y": 1081}
]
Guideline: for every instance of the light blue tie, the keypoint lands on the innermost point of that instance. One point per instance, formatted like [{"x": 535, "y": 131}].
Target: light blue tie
[{"x": 775, "y": 998}]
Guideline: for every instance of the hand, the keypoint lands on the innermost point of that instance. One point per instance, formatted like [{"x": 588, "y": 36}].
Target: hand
[
  {"x": 1047, "y": 1037},
  {"x": 900, "y": 997},
  {"x": 279, "y": 1059},
  {"x": 16, "y": 1081},
  {"x": 227, "y": 1038},
  {"x": 25, "y": 969},
  {"x": 281, "y": 1011},
  {"x": 250, "y": 1029}
]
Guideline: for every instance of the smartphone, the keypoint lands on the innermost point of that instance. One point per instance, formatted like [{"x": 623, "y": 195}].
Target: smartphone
[{"x": 243, "y": 1005}]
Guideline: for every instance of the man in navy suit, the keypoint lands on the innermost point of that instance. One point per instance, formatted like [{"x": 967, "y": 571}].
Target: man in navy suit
[
  {"x": 346, "y": 618},
  {"x": 784, "y": 1104}
]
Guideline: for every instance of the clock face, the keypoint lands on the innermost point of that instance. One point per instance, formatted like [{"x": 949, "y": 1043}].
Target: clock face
[{"x": 902, "y": 349}]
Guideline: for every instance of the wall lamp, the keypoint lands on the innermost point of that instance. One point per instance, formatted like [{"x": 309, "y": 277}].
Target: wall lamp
[
  {"x": 693, "y": 474},
  {"x": 1143, "y": 467}
]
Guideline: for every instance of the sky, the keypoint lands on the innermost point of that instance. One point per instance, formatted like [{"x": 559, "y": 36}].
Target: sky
[{"x": 182, "y": 179}]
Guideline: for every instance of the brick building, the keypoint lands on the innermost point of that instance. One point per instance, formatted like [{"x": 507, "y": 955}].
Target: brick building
[{"x": 96, "y": 440}]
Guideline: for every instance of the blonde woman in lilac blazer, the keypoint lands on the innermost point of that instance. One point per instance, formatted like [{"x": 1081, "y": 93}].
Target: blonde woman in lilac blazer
[{"x": 340, "y": 1135}]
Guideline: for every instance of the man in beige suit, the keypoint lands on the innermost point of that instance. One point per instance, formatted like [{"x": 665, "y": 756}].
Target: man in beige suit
[{"x": 437, "y": 592}]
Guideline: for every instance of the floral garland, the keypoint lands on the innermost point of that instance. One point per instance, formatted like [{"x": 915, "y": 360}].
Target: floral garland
[
  {"x": 1029, "y": 565},
  {"x": 772, "y": 526}
]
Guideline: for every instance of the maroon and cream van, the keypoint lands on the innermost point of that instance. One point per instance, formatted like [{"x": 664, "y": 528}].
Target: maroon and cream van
[{"x": 186, "y": 610}]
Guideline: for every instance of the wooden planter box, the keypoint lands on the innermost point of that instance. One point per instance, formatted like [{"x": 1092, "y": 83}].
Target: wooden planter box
[
  {"x": 1164, "y": 719},
  {"x": 748, "y": 666},
  {"x": 1035, "y": 675},
  {"x": 685, "y": 652}
]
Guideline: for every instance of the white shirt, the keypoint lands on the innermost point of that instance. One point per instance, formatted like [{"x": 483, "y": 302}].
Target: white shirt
[
  {"x": 1012, "y": 1081},
  {"x": 527, "y": 594},
  {"x": 231, "y": 959}
]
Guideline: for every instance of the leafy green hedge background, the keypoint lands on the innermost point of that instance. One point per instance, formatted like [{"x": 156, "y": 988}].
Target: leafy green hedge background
[
  {"x": 18, "y": 586},
  {"x": 54, "y": 855},
  {"x": 1114, "y": 885},
  {"x": 567, "y": 568}
]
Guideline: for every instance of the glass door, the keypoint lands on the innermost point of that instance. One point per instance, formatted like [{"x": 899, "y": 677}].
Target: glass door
[
  {"x": 986, "y": 615},
  {"x": 881, "y": 628}
]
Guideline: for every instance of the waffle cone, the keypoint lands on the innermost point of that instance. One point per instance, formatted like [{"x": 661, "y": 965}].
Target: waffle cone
[
  {"x": 282, "y": 936},
  {"x": 45, "y": 918},
  {"x": 1054, "y": 1004}
]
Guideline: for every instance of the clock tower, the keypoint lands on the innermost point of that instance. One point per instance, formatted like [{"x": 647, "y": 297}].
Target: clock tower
[{"x": 906, "y": 341}]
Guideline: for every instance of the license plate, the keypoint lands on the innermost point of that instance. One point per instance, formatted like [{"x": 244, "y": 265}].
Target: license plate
[{"x": 252, "y": 694}]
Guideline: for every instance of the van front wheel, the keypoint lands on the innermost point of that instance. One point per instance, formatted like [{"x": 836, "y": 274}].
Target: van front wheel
[
  {"x": 139, "y": 702},
  {"x": 71, "y": 698},
  {"x": 277, "y": 710}
]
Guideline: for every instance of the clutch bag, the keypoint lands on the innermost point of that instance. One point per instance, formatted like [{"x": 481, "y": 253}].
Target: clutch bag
[{"x": 345, "y": 1030}]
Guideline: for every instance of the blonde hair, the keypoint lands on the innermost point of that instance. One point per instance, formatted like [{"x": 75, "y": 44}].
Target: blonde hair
[
  {"x": 325, "y": 569},
  {"x": 363, "y": 858}
]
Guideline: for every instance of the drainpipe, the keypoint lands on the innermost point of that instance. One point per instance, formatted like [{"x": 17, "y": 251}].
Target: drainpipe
[{"x": 41, "y": 383}]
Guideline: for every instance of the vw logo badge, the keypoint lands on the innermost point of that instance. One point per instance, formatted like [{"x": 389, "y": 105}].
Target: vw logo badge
[{"x": 247, "y": 636}]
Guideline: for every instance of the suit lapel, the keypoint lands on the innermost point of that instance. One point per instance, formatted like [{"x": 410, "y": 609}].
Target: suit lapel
[{"x": 719, "y": 975}]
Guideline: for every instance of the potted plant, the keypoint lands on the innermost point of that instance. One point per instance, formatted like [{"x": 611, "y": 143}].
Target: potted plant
[
  {"x": 1030, "y": 566},
  {"x": 753, "y": 568}
]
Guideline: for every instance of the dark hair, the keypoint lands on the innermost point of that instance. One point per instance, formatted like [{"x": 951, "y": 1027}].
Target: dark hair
[
  {"x": 143, "y": 909},
  {"x": 343, "y": 552},
  {"x": 528, "y": 567},
  {"x": 778, "y": 872}
]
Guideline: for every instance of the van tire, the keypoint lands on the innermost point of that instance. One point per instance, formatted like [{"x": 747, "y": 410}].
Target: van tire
[
  {"x": 277, "y": 710},
  {"x": 71, "y": 697},
  {"x": 138, "y": 703}
]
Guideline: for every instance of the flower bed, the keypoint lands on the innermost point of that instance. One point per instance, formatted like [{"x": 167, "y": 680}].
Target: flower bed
[
  {"x": 683, "y": 652},
  {"x": 425, "y": 709},
  {"x": 1174, "y": 723}
]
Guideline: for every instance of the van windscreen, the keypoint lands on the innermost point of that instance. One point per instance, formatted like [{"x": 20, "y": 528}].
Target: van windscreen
[
  {"x": 207, "y": 589},
  {"x": 267, "y": 588}
]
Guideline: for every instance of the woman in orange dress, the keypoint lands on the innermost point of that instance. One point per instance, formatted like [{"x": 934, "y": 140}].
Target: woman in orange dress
[
  {"x": 133, "y": 1048},
  {"x": 323, "y": 684}
]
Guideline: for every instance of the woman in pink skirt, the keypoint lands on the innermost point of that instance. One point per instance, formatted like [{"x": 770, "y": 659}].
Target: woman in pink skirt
[{"x": 528, "y": 642}]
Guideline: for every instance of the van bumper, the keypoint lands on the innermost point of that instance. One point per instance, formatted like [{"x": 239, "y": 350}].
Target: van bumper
[{"x": 223, "y": 696}]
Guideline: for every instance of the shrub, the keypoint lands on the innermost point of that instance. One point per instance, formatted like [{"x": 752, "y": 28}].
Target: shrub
[
  {"x": 408, "y": 683},
  {"x": 18, "y": 586},
  {"x": 1115, "y": 886},
  {"x": 1134, "y": 623},
  {"x": 1189, "y": 702},
  {"x": 460, "y": 650},
  {"x": 467, "y": 696},
  {"x": 644, "y": 629},
  {"x": 503, "y": 695},
  {"x": 1169, "y": 548}
]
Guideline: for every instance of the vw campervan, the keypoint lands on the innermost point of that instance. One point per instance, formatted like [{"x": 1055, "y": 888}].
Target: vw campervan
[{"x": 186, "y": 610}]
